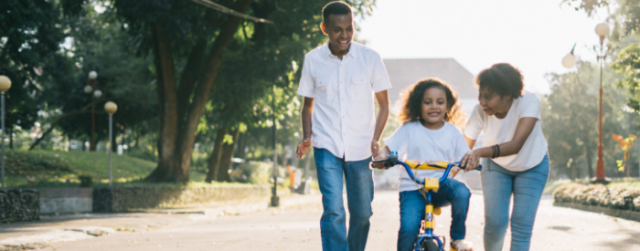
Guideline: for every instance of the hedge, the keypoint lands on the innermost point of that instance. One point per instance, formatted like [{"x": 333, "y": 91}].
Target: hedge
[{"x": 599, "y": 195}]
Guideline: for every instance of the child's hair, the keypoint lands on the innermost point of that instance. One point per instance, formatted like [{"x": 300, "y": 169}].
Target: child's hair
[
  {"x": 412, "y": 100},
  {"x": 503, "y": 79}
]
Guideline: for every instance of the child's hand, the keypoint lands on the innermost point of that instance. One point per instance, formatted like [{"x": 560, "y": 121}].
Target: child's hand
[
  {"x": 471, "y": 160},
  {"x": 378, "y": 162}
]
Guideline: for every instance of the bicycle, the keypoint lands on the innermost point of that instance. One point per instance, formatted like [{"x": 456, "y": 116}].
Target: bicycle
[{"x": 427, "y": 240}]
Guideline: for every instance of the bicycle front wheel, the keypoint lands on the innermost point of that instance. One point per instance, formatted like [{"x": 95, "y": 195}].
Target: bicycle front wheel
[{"x": 429, "y": 245}]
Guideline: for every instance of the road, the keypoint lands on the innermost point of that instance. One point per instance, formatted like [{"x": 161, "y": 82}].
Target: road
[{"x": 295, "y": 226}]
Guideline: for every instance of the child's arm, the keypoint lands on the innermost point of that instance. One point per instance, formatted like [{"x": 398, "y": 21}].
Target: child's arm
[{"x": 382, "y": 155}]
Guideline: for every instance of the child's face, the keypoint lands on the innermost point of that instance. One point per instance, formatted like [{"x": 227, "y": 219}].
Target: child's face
[
  {"x": 434, "y": 106},
  {"x": 492, "y": 103}
]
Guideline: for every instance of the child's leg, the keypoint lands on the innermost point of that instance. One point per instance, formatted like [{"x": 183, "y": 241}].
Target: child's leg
[
  {"x": 411, "y": 214},
  {"x": 497, "y": 186},
  {"x": 455, "y": 193}
]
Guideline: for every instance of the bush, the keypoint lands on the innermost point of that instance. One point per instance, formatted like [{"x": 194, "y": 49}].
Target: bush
[{"x": 597, "y": 195}]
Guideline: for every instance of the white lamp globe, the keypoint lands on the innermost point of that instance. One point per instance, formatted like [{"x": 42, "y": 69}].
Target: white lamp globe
[
  {"x": 569, "y": 61},
  {"x": 97, "y": 93},
  {"x": 88, "y": 89},
  {"x": 93, "y": 75},
  {"x": 602, "y": 29}
]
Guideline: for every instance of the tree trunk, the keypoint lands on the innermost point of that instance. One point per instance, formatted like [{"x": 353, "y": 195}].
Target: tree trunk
[
  {"x": 10, "y": 131},
  {"x": 225, "y": 160},
  {"x": 178, "y": 130},
  {"x": 589, "y": 156},
  {"x": 168, "y": 162},
  {"x": 214, "y": 159}
]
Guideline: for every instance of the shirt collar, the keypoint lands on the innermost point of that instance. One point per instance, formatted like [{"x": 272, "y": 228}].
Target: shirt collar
[{"x": 354, "y": 50}]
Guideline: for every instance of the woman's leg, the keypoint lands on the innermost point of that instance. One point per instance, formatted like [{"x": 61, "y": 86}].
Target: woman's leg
[
  {"x": 497, "y": 185},
  {"x": 527, "y": 187},
  {"x": 411, "y": 214}
]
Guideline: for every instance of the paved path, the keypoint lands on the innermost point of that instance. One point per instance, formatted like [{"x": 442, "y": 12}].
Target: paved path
[{"x": 295, "y": 227}]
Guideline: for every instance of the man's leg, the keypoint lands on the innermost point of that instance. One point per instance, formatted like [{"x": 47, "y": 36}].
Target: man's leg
[
  {"x": 332, "y": 223},
  {"x": 359, "y": 179},
  {"x": 527, "y": 190},
  {"x": 497, "y": 186}
]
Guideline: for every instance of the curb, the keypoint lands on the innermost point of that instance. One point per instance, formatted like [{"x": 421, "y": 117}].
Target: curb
[{"x": 624, "y": 214}]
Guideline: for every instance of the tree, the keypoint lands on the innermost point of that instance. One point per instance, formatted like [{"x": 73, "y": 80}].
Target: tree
[
  {"x": 188, "y": 43},
  {"x": 97, "y": 42},
  {"x": 574, "y": 103},
  {"x": 30, "y": 40}
]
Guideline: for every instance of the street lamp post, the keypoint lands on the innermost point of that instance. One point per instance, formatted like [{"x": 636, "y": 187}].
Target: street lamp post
[
  {"x": 110, "y": 108},
  {"x": 92, "y": 88},
  {"x": 602, "y": 30},
  {"x": 275, "y": 200},
  {"x": 5, "y": 84}
]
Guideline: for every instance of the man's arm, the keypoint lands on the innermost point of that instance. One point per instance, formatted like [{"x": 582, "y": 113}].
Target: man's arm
[
  {"x": 382, "y": 98},
  {"x": 305, "y": 144}
]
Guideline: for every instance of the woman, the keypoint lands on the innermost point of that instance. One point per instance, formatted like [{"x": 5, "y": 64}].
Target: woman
[{"x": 515, "y": 152}]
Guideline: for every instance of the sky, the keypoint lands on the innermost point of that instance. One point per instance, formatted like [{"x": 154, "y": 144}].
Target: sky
[{"x": 531, "y": 35}]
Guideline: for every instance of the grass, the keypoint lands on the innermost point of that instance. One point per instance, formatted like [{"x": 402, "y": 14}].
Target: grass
[{"x": 63, "y": 169}]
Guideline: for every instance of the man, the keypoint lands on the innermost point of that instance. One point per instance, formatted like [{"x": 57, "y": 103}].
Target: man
[{"x": 339, "y": 80}]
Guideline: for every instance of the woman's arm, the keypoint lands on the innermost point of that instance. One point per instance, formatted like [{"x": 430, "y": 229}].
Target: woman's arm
[{"x": 523, "y": 130}]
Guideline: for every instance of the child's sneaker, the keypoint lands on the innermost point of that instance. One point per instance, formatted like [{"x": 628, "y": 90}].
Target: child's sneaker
[{"x": 461, "y": 245}]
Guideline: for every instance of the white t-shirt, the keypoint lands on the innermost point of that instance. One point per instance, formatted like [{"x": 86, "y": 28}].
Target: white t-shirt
[
  {"x": 502, "y": 130},
  {"x": 413, "y": 141}
]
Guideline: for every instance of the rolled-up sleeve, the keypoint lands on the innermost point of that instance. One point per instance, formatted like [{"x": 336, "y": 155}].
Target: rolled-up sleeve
[
  {"x": 380, "y": 78},
  {"x": 474, "y": 126},
  {"x": 307, "y": 84}
]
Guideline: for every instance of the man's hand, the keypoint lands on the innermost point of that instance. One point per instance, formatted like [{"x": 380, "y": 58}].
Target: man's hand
[
  {"x": 375, "y": 148},
  {"x": 379, "y": 165},
  {"x": 303, "y": 148}
]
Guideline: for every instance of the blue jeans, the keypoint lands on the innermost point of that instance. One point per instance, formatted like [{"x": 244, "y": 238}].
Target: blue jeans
[
  {"x": 498, "y": 184},
  {"x": 359, "y": 180},
  {"x": 412, "y": 210}
]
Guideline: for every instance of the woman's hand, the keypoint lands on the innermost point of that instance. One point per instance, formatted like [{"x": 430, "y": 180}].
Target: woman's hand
[{"x": 471, "y": 160}]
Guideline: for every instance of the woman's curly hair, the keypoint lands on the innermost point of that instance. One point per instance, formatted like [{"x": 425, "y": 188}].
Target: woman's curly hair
[
  {"x": 503, "y": 79},
  {"x": 412, "y": 100}
]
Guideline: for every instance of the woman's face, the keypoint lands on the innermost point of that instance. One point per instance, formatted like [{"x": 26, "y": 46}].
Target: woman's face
[
  {"x": 434, "y": 107},
  {"x": 494, "y": 104}
]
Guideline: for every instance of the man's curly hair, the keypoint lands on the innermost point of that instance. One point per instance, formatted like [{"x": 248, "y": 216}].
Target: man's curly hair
[{"x": 412, "y": 100}]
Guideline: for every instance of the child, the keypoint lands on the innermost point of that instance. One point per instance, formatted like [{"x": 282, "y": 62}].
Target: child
[{"x": 427, "y": 134}]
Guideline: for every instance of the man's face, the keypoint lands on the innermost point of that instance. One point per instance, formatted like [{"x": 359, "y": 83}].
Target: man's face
[{"x": 339, "y": 29}]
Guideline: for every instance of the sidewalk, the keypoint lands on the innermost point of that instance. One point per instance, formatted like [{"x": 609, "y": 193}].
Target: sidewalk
[{"x": 74, "y": 227}]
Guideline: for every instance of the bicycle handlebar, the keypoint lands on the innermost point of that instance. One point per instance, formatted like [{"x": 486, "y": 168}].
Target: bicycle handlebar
[{"x": 392, "y": 160}]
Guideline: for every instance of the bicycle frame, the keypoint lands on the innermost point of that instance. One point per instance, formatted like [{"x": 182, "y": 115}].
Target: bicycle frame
[{"x": 430, "y": 185}]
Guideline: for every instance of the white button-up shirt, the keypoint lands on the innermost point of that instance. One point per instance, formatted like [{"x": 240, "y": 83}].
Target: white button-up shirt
[{"x": 343, "y": 119}]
